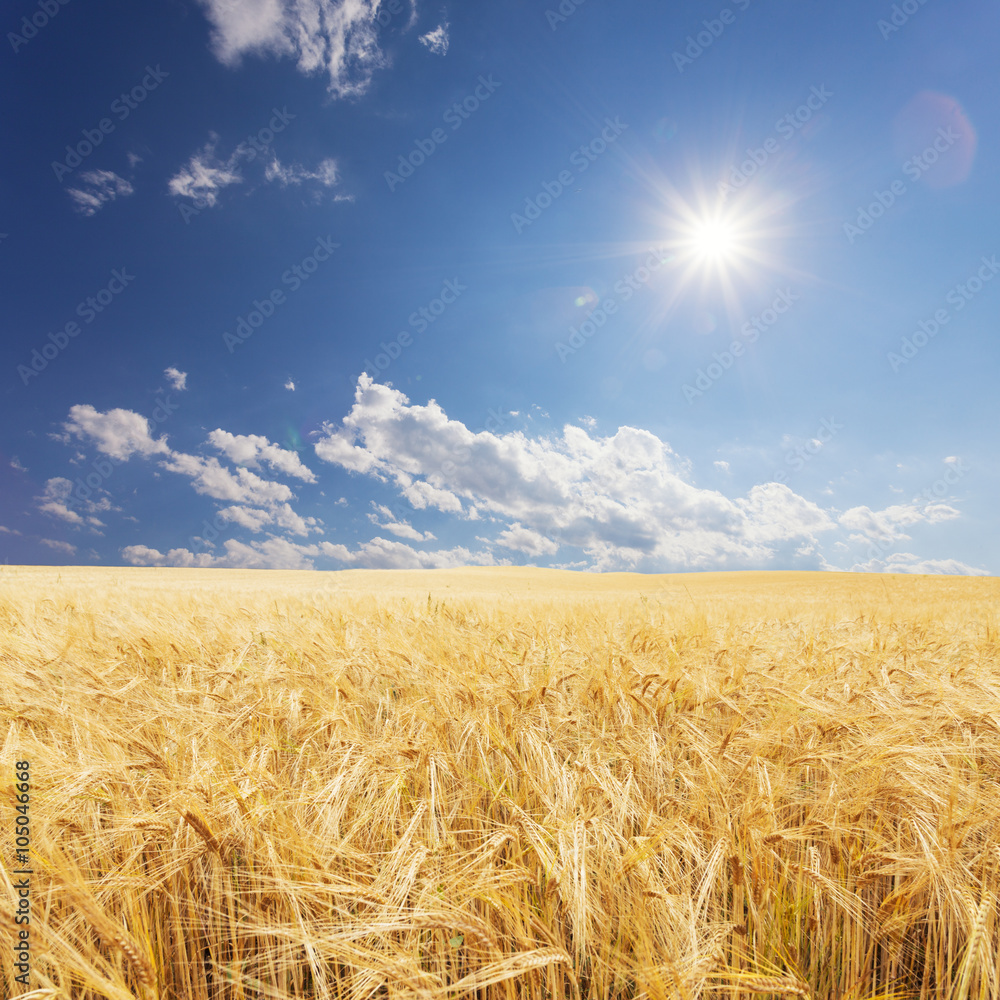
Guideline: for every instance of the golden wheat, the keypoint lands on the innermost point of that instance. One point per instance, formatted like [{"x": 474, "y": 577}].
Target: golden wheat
[{"x": 519, "y": 784}]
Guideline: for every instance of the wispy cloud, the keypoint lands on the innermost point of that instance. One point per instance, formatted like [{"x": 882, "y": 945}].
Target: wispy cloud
[
  {"x": 99, "y": 187},
  {"x": 206, "y": 175},
  {"x": 385, "y": 519},
  {"x": 437, "y": 40},
  {"x": 64, "y": 547},
  {"x": 325, "y": 173}
]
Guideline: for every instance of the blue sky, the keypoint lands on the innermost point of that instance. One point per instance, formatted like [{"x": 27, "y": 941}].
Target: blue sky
[{"x": 631, "y": 286}]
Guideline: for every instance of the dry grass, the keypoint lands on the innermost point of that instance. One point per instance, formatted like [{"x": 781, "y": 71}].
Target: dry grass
[{"x": 503, "y": 783}]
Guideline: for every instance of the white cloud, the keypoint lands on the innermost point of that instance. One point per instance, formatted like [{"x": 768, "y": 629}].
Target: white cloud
[
  {"x": 326, "y": 173},
  {"x": 723, "y": 465},
  {"x": 623, "y": 499},
  {"x": 247, "y": 517},
  {"x": 57, "y": 501},
  {"x": 337, "y": 37},
  {"x": 383, "y": 553},
  {"x": 255, "y": 501},
  {"x": 437, "y": 40},
  {"x": 527, "y": 541},
  {"x": 143, "y": 555},
  {"x": 906, "y": 562},
  {"x": 252, "y": 449},
  {"x": 403, "y": 529},
  {"x": 278, "y": 553},
  {"x": 888, "y": 524},
  {"x": 290, "y": 385},
  {"x": 206, "y": 175},
  {"x": 118, "y": 433},
  {"x": 210, "y": 478},
  {"x": 100, "y": 187},
  {"x": 177, "y": 379},
  {"x": 15, "y": 463},
  {"x": 8, "y": 531},
  {"x": 64, "y": 547}
]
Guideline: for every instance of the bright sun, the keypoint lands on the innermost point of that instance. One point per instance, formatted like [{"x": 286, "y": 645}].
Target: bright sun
[{"x": 713, "y": 240}]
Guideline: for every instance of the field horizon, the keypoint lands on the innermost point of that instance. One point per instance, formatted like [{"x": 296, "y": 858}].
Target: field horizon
[{"x": 500, "y": 782}]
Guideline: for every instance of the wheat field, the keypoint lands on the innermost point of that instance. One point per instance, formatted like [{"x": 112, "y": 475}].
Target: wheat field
[{"x": 501, "y": 783}]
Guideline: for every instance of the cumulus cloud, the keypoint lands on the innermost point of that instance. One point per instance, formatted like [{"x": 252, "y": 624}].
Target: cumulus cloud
[
  {"x": 888, "y": 524},
  {"x": 907, "y": 562},
  {"x": 437, "y": 40},
  {"x": 279, "y": 553},
  {"x": 118, "y": 433},
  {"x": 335, "y": 37},
  {"x": 290, "y": 385},
  {"x": 254, "y": 501},
  {"x": 98, "y": 188},
  {"x": 527, "y": 541},
  {"x": 211, "y": 478},
  {"x": 177, "y": 379},
  {"x": 623, "y": 499},
  {"x": 252, "y": 449}
]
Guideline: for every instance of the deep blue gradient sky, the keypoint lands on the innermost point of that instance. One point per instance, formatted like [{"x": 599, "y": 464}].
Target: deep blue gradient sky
[{"x": 587, "y": 387}]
